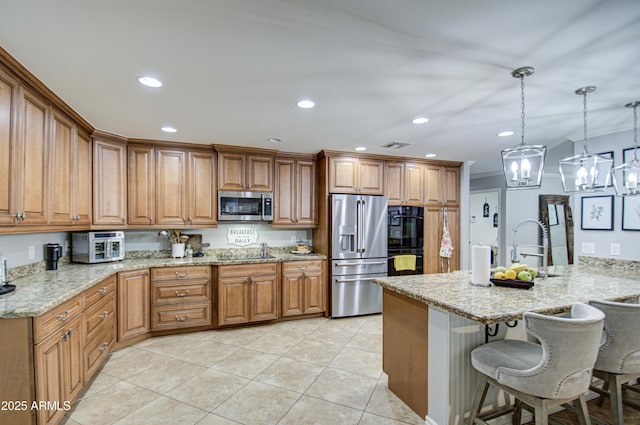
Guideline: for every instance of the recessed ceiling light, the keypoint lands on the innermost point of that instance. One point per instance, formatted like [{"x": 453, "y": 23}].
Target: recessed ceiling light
[
  {"x": 430, "y": 155},
  {"x": 505, "y": 133},
  {"x": 168, "y": 129},
  {"x": 150, "y": 82},
  {"x": 420, "y": 120},
  {"x": 306, "y": 103},
  {"x": 274, "y": 140},
  {"x": 361, "y": 148}
]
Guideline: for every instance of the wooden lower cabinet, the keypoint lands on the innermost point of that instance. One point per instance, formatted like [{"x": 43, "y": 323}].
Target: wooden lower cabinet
[
  {"x": 59, "y": 370},
  {"x": 99, "y": 325},
  {"x": 133, "y": 304},
  {"x": 180, "y": 297},
  {"x": 248, "y": 293},
  {"x": 304, "y": 287}
]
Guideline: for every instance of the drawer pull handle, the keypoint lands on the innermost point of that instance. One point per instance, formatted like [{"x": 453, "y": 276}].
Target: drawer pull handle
[
  {"x": 104, "y": 347},
  {"x": 64, "y": 316},
  {"x": 182, "y": 276},
  {"x": 182, "y": 294},
  {"x": 182, "y": 319},
  {"x": 104, "y": 315},
  {"x": 302, "y": 267},
  {"x": 102, "y": 290}
]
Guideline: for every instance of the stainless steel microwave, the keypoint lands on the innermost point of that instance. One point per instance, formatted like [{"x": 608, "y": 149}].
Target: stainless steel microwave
[
  {"x": 97, "y": 247},
  {"x": 245, "y": 206}
]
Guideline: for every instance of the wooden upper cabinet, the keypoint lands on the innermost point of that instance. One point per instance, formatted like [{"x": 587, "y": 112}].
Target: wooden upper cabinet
[
  {"x": 171, "y": 187},
  {"x": 142, "y": 193},
  {"x": 241, "y": 170},
  {"x": 405, "y": 183},
  {"x": 9, "y": 147},
  {"x": 81, "y": 182},
  {"x": 356, "y": 175},
  {"x": 295, "y": 193},
  {"x": 62, "y": 151},
  {"x": 201, "y": 190},
  {"x": 442, "y": 185},
  {"x": 109, "y": 181}
]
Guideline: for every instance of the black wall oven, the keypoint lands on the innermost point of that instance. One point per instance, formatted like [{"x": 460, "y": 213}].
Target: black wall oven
[{"x": 405, "y": 236}]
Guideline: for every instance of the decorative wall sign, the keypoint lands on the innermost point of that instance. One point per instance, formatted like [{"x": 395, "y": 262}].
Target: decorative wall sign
[
  {"x": 597, "y": 212},
  {"x": 631, "y": 213},
  {"x": 485, "y": 208},
  {"x": 242, "y": 236}
]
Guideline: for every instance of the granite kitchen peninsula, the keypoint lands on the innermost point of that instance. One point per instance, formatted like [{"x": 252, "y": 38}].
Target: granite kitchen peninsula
[{"x": 432, "y": 322}]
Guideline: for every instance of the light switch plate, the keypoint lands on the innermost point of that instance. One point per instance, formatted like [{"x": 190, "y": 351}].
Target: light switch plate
[
  {"x": 588, "y": 247},
  {"x": 615, "y": 248}
]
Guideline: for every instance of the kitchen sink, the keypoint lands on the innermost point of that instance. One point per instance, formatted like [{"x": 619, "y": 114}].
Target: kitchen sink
[{"x": 245, "y": 257}]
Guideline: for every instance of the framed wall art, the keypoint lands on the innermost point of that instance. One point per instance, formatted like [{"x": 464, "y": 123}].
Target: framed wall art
[
  {"x": 631, "y": 213},
  {"x": 597, "y": 212}
]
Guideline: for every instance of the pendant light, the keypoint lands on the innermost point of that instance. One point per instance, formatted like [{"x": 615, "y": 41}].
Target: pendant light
[
  {"x": 523, "y": 164},
  {"x": 625, "y": 177},
  {"x": 585, "y": 172}
]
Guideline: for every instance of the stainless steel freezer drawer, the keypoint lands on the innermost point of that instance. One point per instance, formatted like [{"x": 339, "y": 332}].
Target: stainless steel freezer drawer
[{"x": 355, "y": 295}]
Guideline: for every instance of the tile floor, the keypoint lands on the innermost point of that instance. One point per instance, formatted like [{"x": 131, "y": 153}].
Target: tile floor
[{"x": 313, "y": 371}]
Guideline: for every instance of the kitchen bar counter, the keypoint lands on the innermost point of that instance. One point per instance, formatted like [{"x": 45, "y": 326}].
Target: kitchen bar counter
[
  {"x": 431, "y": 323},
  {"x": 40, "y": 292},
  {"x": 452, "y": 292}
]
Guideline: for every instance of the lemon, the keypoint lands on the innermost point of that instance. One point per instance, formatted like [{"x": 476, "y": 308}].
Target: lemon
[
  {"x": 498, "y": 275},
  {"x": 510, "y": 274},
  {"x": 518, "y": 267}
]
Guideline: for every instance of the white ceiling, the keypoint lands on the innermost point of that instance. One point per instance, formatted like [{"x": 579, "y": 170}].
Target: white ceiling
[{"x": 233, "y": 69}]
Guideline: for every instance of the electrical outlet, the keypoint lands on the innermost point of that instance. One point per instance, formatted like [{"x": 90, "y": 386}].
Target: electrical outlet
[
  {"x": 588, "y": 247},
  {"x": 615, "y": 248},
  {"x": 32, "y": 252}
]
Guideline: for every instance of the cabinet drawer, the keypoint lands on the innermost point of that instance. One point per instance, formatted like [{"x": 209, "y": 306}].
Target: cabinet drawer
[
  {"x": 172, "y": 292},
  {"x": 180, "y": 316},
  {"x": 98, "y": 316},
  {"x": 186, "y": 272},
  {"x": 301, "y": 266},
  {"x": 247, "y": 270},
  {"x": 96, "y": 350},
  {"x": 47, "y": 323},
  {"x": 100, "y": 291}
]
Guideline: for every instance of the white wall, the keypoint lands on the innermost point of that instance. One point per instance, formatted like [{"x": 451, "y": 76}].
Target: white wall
[
  {"x": 602, "y": 239},
  {"x": 16, "y": 247}
]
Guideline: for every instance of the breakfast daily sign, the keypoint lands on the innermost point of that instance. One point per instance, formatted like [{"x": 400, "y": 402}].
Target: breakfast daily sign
[{"x": 242, "y": 236}]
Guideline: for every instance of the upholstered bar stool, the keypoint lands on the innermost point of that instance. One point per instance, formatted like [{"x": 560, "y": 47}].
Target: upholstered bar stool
[
  {"x": 554, "y": 372},
  {"x": 619, "y": 356}
]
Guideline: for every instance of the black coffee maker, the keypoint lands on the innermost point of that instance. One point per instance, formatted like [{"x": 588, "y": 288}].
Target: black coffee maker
[{"x": 52, "y": 253}]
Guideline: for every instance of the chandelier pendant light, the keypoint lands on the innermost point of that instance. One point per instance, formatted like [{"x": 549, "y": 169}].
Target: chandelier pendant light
[
  {"x": 523, "y": 164},
  {"x": 585, "y": 172},
  {"x": 625, "y": 177}
]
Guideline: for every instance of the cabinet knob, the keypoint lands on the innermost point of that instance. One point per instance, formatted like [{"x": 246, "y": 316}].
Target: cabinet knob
[
  {"x": 124, "y": 220},
  {"x": 63, "y": 316},
  {"x": 182, "y": 319},
  {"x": 104, "y": 315},
  {"x": 183, "y": 275},
  {"x": 102, "y": 291},
  {"x": 104, "y": 347},
  {"x": 23, "y": 215}
]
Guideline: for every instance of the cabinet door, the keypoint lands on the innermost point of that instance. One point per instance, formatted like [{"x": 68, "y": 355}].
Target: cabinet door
[
  {"x": 109, "y": 183},
  {"x": 233, "y": 300},
  {"x": 34, "y": 184},
  {"x": 8, "y": 147},
  {"x": 171, "y": 187},
  {"x": 433, "y": 185},
  {"x": 292, "y": 294},
  {"x": 61, "y": 151},
  {"x": 50, "y": 377},
  {"x": 394, "y": 175},
  {"x": 133, "y": 304},
  {"x": 433, "y": 229},
  {"x": 343, "y": 173},
  {"x": 315, "y": 291},
  {"x": 73, "y": 357},
  {"x": 231, "y": 171},
  {"x": 284, "y": 196},
  {"x": 306, "y": 201},
  {"x": 371, "y": 177},
  {"x": 442, "y": 185},
  {"x": 264, "y": 298},
  {"x": 81, "y": 182},
  {"x": 142, "y": 179},
  {"x": 414, "y": 184},
  {"x": 259, "y": 173},
  {"x": 451, "y": 177},
  {"x": 202, "y": 193}
]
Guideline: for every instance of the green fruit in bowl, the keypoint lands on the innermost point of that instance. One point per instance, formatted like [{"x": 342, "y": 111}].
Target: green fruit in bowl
[
  {"x": 525, "y": 275},
  {"x": 500, "y": 269},
  {"x": 533, "y": 272}
]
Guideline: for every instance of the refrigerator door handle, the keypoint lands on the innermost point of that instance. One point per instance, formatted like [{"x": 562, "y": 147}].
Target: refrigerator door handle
[
  {"x": 363, "y": 225},
  {"x": 370, "y": 263},
  {"x": 355, "y": 280}
]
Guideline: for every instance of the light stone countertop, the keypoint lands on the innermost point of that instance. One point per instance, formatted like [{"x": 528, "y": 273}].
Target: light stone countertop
[
  {"x": 452, "y": 292},
  {"x": 40, "y": 292}
]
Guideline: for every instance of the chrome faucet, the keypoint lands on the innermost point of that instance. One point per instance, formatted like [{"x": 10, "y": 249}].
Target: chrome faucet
[
  {"x": 544, "y": 246},
  {"x": 264, "y": 253}
]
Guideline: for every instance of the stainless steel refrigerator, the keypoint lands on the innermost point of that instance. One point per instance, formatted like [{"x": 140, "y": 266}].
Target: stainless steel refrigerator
[{"x": 358, "y": 240}]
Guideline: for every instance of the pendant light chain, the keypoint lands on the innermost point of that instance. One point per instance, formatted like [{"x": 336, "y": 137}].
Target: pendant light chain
[
  {"x": 635, "y": 131},
  {"x": 522, "y": 108},
  {"x": 584, "y": 102}
]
